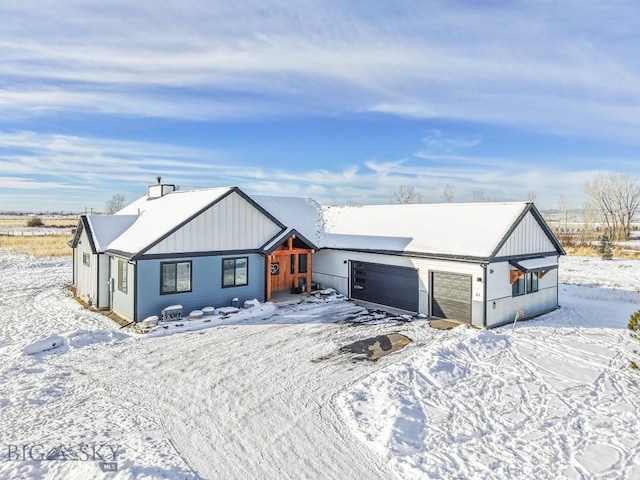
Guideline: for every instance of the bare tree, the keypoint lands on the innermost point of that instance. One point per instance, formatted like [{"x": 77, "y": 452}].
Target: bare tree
[
  {"x": 531, "y": 196},
  {"x": 627, "y": 196},
  {"x": 617, "y": 200},
  {"x": 115, "y": 203},
  {"x": 407, "y": 194},
  {"x": 588, "y": 229},
  {"x": 448, "y": 193},
  {"x": 562, "y": 203},
  {"x": 479, "y": 196}
]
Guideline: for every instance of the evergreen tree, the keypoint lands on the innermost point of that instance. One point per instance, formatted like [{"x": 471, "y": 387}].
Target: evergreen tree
[
  {"x": 605, "y": 249},
  {"x": 634, "y": 327}
]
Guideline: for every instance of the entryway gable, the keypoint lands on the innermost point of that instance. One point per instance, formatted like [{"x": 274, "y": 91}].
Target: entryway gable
[{"x": 289, "y": 266}]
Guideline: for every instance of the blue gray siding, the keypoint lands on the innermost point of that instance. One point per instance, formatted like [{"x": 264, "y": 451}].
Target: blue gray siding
[{"x": 206, "y": 285}]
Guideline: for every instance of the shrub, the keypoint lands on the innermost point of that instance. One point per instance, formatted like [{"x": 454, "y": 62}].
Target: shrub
[
  {"x": 634, "y": 327},
  {"x": 35, "y": 222}
]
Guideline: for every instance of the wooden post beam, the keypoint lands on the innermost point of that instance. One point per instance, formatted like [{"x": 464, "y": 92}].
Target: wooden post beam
[
  {"x": 308, "y": 278},
  {"x": 268, "y": 273}
]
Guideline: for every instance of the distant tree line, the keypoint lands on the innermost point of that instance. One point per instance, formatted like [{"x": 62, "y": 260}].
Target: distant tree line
[
  {"x": 613, "y": 202},
  {"x": 616, "y": 199}
]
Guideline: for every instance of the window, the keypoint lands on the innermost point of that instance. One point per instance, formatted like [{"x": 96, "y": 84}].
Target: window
[
  {"x": 235, "y": 272},
  {"x": 532, "y": 282},
  {"x": 519, "y": 286},
  {"x": 302, "y": 263},
  {"x": 525, "y": 283},
  {"x": 122, "y": 276},
  {"x": 175, "y": 277},
  {"x": 86, "y": 259}
]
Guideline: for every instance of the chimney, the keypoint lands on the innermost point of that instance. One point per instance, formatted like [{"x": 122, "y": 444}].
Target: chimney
[{"x": 160, "y": 189}]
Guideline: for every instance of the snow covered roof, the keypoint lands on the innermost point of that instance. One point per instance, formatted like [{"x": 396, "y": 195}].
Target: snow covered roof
[
  {"x": 467, "y": 230},
  {"x": 535, "y": 264},
  {"x": 450, "y": 230},
  {"x": 304, "y": 215},
  {"x": 106, "y": 228},
  {"x": 157, "y": 217}
]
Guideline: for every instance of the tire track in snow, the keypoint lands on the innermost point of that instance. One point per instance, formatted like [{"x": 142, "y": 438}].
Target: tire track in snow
[{"x": 252, "y": 403}]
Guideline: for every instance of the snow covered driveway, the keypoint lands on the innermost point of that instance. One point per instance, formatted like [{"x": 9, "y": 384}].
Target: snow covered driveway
[
  {"x": 272, "y": 398},
  {"x": 253, "y": 399}
]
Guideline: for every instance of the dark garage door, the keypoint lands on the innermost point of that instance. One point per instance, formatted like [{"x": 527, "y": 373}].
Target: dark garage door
[
  {"x": 451, "y": 296},
  {"x": 385, "y": 284}
]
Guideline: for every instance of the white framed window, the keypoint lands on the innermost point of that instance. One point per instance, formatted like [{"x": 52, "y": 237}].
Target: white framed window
[{"x": 123, "y": 273}]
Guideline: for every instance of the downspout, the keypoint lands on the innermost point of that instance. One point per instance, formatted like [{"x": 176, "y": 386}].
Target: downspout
[
  {"x": 484, "y": 295},
  {"x": 110, "y": 286},
  {"x": 98, "y": 281},
  {"x": 558, "y": 283},
  {"x": 135, "y": 292}
]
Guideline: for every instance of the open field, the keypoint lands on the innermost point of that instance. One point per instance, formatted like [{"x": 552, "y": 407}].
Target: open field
[
  {"x": 272, "y": 397},
  {"x": 38, "y": 246},
  {"x": 590, "y": 251},
  {"x": 21, "y": 221},
  {"x": 53, "y": 245}
]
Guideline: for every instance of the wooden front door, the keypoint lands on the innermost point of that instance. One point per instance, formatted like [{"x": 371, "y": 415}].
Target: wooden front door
[{"x": 289, "y": 268}]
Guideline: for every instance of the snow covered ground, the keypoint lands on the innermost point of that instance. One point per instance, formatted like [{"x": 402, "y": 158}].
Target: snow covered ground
[{"x": 270, "y": 396}]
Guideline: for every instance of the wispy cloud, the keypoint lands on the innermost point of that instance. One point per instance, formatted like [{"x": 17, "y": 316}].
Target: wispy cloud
[
  {"x": 439, "y": 142},
  {"x": 80, "y": 171},
  {"x": 523, "y": 64},
  {"x": 526, "y": 66}
]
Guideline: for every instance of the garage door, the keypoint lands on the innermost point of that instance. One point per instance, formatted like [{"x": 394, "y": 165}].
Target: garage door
[
  {"x": 451, "y": 296},
  {"x": 385, "y": 284}
]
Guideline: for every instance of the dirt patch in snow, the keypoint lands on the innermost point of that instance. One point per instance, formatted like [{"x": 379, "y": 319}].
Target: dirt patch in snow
[{"x": 374, "y": 348}]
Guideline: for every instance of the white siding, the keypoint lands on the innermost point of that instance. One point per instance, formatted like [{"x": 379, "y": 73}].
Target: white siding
[
  {"x": 123, "y": 303},
  {"x": 502, "y": 306},
  {"x": 527, "y": 238},
  {"x": 103, "y": 282},
  {"x": 231, "y": 224},
  {"x": 331, "y": 269},
  {"x": 86, "y": 276}
]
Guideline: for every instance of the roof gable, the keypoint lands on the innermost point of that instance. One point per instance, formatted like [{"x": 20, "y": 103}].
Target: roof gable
[
  {"x": 301, "y": 216},
  {"x": 172, "y": 223},
  {"x": 101, "y": 230},
  {"x": 234, "y": 222},
  {"x": 529, "y": 235},
  {"x": 104, "y": 229}
]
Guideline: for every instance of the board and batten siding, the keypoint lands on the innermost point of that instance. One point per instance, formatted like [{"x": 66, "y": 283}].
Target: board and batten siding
[
  {"x": 528, "y": 238},
  {"x": 206, "y": 285},
  {"x": 86, "y": 275},
  {"x": 231, "y": 224},
  {"x": 123, "y": 303},
  {"x": 103, "y": 281},
  {"x": 502, "y": 305},
  {"x": 331, "y": 269}
]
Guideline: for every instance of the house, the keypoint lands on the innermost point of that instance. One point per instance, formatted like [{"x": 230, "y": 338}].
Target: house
[{"x": 475, "y": 263}]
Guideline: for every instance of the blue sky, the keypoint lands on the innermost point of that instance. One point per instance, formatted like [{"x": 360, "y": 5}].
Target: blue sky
[{"x": 340, "y": 100}]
